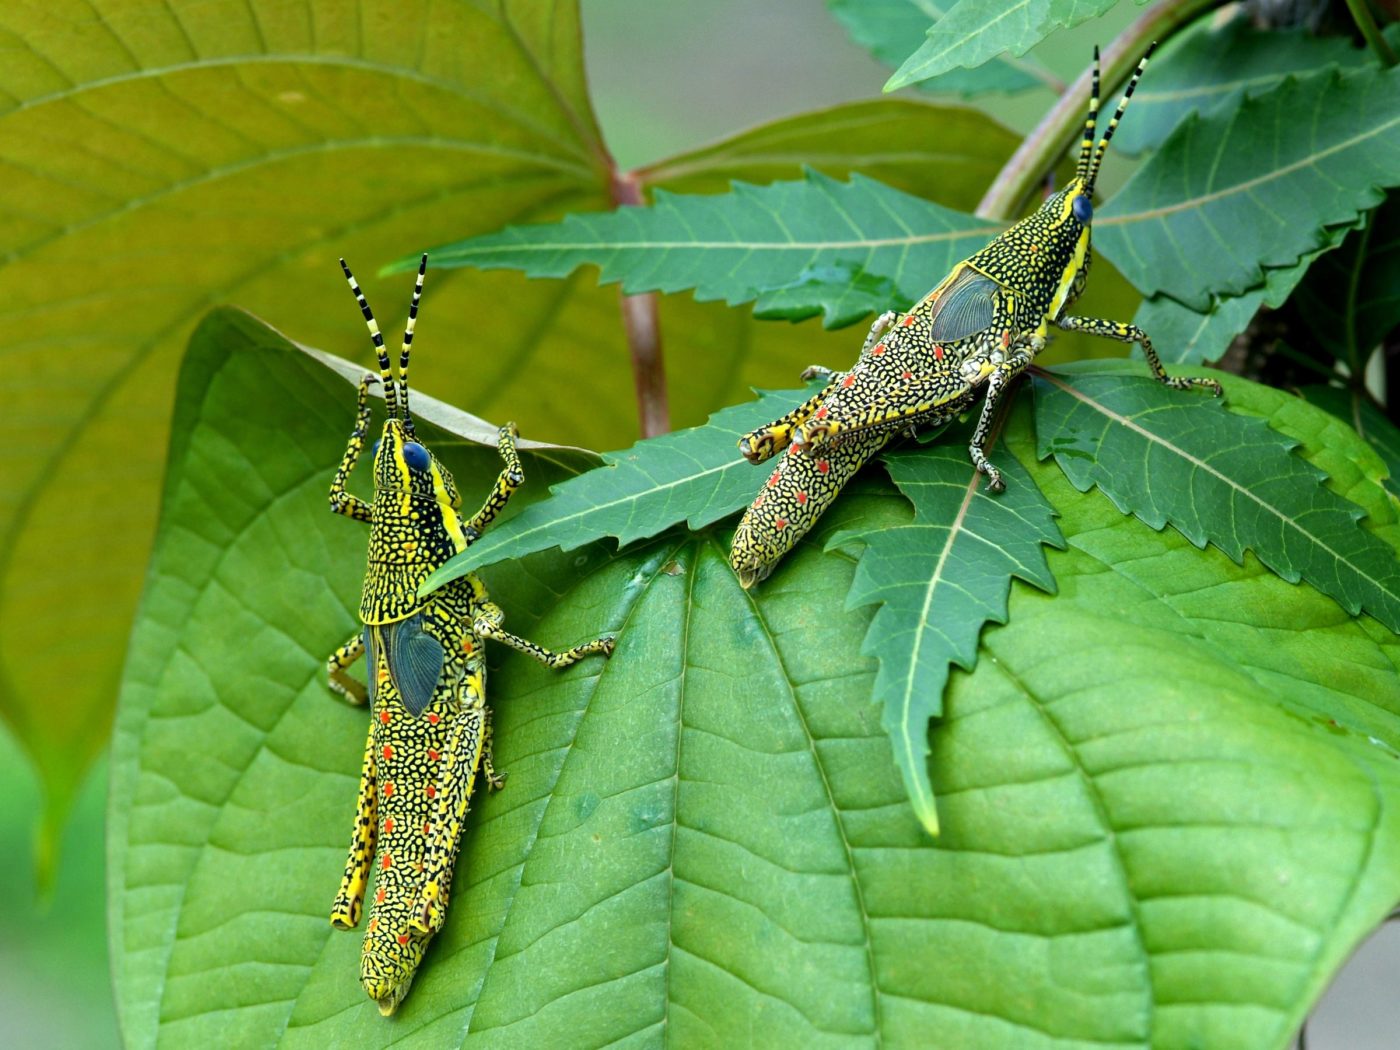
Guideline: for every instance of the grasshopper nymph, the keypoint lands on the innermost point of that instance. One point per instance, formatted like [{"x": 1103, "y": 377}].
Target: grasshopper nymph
[
  {"x": 430, "y": 728},
  {"x": 983, "y": 324}
]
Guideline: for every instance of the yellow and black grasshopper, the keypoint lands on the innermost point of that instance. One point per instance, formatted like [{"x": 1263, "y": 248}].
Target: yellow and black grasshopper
[
  {"x": 430, "y": 728},
  {"x": 983, "y": 324}
]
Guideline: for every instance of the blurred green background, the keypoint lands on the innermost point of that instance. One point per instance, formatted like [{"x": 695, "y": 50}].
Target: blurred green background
[{"x": 666, "y": 76}]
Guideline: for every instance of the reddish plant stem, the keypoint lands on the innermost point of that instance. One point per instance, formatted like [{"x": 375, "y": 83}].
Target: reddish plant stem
[
  {"x": 1064, "y": 122},
  {"x": 640, "y": 319}
]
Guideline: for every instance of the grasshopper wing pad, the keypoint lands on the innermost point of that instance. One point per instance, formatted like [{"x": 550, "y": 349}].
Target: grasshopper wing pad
[
  {"x": 415, "y": 662},
  {"x": 964, "y": 307},
  {"x": 371, "y": 664}
]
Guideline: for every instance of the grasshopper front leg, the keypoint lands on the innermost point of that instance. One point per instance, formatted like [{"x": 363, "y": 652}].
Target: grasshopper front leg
[
  {"x": 345, "y": 912},
  {"x": 1131, "y": 333},
  {"x": 512, "y": 476},
  {"x": 1002, "y": 374},
  {"x": 343, "y": 502}
]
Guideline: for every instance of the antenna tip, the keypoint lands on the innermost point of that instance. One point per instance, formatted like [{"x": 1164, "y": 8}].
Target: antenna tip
[
  {"x": 1150, "y": 48},
  {"x": 1096, "y": 52},
  {"x": 423, "y": 263},
  {"x": 343, "y": 266}
]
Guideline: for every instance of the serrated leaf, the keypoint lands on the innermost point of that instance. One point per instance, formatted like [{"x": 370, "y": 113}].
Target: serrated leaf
[
  {"x": 937, "y": 581},
  {"x": 892, "y": 29},
  {"x": 1352, "y": 298},
  {"x": 1181, "y": 335},
  {"x": 1369, "y": 422},
  {"x": 1211, "y": 64},
  {"x": 693, "y": 476},
  {"x": 1162, "y": 826},
  {"x": 793, "y": 248},
  {"x": 1254, "y": 184},
  {"x": 971, "y": 32},
  {"x": 1172, "y": 457}
]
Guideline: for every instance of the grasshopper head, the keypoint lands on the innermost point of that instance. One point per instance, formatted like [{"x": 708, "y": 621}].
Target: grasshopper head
[
  {"x": 404, "y": 467},
  {"x": 1060, "y": 229},
  {"x": 415, "y": 526}
]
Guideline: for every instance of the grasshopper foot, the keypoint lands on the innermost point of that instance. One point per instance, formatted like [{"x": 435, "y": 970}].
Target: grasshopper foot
[
  {"x": 762, "y": 444},
  {"x": 984, "y": 466}
]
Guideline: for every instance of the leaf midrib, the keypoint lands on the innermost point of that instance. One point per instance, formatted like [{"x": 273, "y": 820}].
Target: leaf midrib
[
  {"x": 926, "y": 803},
  {"x": 620, "y": 245}
]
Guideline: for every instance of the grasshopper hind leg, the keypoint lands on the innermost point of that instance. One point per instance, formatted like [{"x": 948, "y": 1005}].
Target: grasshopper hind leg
[{"x": 345, "y": 912}]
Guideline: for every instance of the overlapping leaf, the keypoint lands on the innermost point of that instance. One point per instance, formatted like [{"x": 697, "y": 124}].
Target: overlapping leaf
[
  {"x": 1133, "y": 849},
  {"x": 938, "y": 581},
  {"x": 795, "y": 249},
  {"x": 1352, "y": 298},
  {"x": 892, "y": 29},
  {"x": 949, "y": 154},
  {"x": 1254, "y": 184},
  {"x": 693, "y": 476},
  {"x": 1210, "y": 64},
  {"x": 1180, "y": 335},
  {"x": 1171, "y": 457},
  {"x": 972, "y": 32}
]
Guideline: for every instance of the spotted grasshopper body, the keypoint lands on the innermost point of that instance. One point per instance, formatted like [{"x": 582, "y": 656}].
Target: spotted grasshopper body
[
  {"x": 430, "y": 728},
  {"x": 982, "y": 325}
]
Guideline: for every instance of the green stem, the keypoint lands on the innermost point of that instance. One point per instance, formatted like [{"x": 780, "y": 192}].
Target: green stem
[
  {"x": 1361, "y": 15},
  {"x": 1062, "y": 125}
]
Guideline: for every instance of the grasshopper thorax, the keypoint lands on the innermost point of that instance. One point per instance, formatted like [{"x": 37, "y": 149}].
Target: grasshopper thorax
[
  {"x": 1044, "y": 259},
  {"x": 415, "y": 525}
]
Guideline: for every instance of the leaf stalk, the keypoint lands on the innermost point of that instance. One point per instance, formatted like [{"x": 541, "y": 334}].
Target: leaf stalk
[
  {"x": 641, "y": 320},
  {"x": 1366, "y": 22}
]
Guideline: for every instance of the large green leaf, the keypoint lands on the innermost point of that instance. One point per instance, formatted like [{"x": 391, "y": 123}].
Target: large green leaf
[
  {"x": 1254, "y": 184},
  {"x": 949, "y": 154},
  {"x": 972, "y": 32},
  {"x": 1162, "y": 825},
  {"x": 1212, "y": 63},
  {"x": 892, "y": 29},
  {"x": 795, "y": 249},
  {"x": 938, "y": 580},
  {"x": 1171, "y": 456},
  {"x": 160, "y": 159}
]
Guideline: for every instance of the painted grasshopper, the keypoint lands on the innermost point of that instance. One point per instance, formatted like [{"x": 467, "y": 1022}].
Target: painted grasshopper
[
  {"x": 983, "y": 324},
  {"x": 430, "y": 728}
]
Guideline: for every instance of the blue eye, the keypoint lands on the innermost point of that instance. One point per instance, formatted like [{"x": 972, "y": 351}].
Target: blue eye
[
  {"x": 377, "y": 443},
  {"x": 415, "y": 455},
  {"x": 1083, "y": 209}
]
